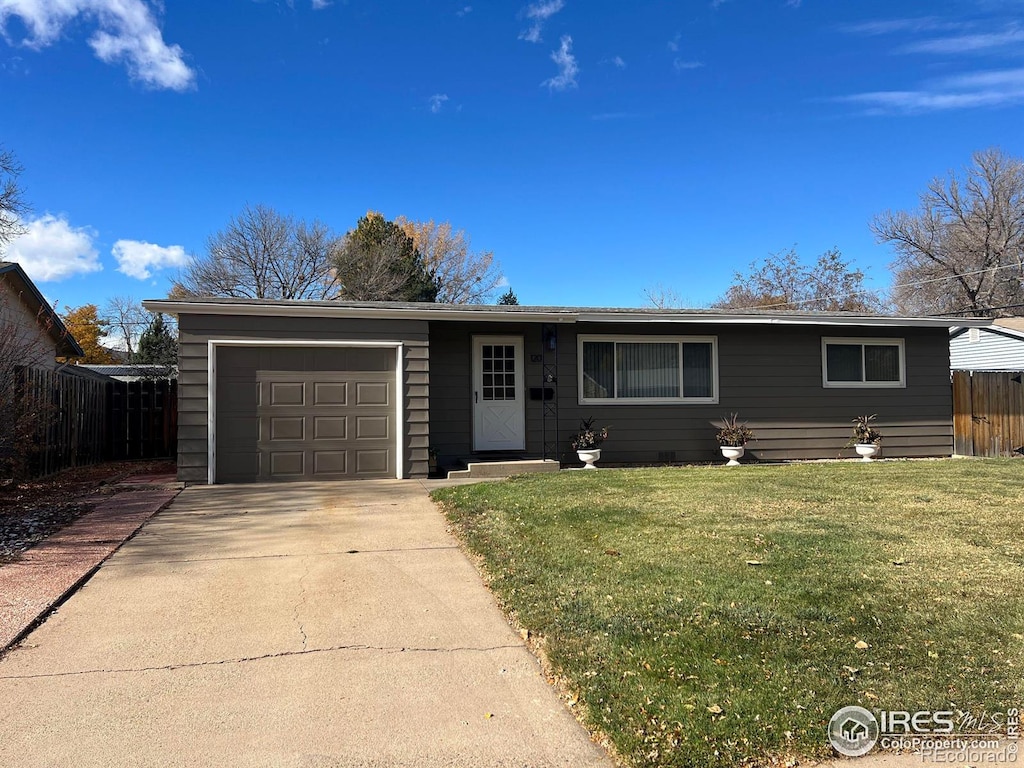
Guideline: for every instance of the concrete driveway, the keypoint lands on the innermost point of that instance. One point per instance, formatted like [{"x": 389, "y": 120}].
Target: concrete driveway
[{"x": 287, "y": 625}]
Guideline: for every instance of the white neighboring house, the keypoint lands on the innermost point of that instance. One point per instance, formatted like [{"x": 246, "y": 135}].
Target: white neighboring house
[
  {"x": 999, "y": 347},
  {"x": 32, "y": 334}
]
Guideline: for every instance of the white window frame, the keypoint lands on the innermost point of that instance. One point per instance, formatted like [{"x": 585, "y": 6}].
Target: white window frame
[
  {"x": 627, "y": 338},
  {"x": 876, "y": 341}
]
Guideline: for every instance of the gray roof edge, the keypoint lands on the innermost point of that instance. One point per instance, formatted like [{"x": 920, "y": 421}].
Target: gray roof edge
[{"x": 500, "y": 313}]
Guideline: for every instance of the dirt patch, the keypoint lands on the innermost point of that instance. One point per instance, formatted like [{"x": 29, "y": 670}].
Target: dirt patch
[{"x": 32, "y": 511}]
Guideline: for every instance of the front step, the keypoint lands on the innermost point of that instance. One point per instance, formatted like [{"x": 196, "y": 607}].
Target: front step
[{"x": 493, "y": 469}]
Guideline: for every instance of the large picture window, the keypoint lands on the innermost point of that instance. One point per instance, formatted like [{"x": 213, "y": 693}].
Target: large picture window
[
  {"x": 647, "y": 369},
  {"x": 863, "y": 363}
]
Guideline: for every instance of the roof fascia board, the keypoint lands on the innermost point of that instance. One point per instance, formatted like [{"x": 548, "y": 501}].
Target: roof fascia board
[
  {"x": 568, "y": 316},
  {"x": 894, "y": 322},
  {"x": 357, "y": 313}
]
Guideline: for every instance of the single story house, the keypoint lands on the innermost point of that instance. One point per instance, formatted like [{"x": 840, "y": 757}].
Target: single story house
[
  {"x": 32, "y": 334},
  {"x": 290, "y": 390},
  {"x": 998, "y": 347}
]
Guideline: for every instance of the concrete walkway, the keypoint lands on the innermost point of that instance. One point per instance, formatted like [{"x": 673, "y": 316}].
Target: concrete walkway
[
  {"x": 51, "y": 570},
  {"x": 298, "y": 625}
]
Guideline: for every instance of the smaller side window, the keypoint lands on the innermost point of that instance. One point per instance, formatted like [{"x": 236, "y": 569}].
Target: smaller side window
[{"x": 863, "y": 363}]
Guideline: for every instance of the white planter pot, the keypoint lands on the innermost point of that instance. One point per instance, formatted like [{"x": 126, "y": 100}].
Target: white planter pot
[
  {"x": 732, "y": 453},
  {"x": 866, "y": 450},
  {"x": 589, "y": 457}
]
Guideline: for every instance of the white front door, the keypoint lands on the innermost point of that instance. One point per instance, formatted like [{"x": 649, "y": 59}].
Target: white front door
[{"x": 499, "y": 418}]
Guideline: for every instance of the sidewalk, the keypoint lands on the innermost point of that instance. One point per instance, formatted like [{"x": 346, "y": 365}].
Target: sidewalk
[{"x": 53, "y": 569}]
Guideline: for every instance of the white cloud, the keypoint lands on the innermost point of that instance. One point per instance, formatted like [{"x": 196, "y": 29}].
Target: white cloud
[
  {"x": 437, "y": 101},
  {"x": 319, "y": 5},
  {"x": 128, "y": 33},
  {"x": 681, "y": 65},
  {"x": 139, "y": 259},
  {"x": 673, "y": 44},
  {"x": 998, "y": 88},
  {"x": 969, "y": 43},
  {"x": 464, "y": 11},
  {"x": 567, "y": 67},
  {"x": 890, "y": 26},
  {"x": 618, "y": 62},
  {"x": 538, "y": 14},
  {"x": 52, "y": 249}
]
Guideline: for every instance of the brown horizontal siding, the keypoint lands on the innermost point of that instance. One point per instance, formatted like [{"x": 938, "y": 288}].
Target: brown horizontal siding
[{"x": 771, "y": 376}]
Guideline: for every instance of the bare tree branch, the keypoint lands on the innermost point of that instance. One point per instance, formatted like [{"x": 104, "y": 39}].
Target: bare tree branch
[
  {"x": 463, "y": 276},
  {"x": 963, "y": 249},
  {"x": 12, "y": 206},
  {"x": 784, "y": 282},
  {"x": 126, "y": 319},
  {"x": 262, "y": 254}
]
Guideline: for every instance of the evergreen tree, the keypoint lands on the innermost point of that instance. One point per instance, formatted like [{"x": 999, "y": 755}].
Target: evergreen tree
[
  {"x": 508, "y": 298},
  {"x": 156, "y": 345}
]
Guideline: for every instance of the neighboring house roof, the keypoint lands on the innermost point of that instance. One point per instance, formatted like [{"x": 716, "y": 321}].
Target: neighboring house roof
[
  {"x": 26, "y": 291},
  {"x": 504, "y": 313},
  {"x": 84, "y": 372},
  {"x": 140, "y": 369},
  {"x": 986, "y": 349},
  {"x": 1014, "y": 323}
]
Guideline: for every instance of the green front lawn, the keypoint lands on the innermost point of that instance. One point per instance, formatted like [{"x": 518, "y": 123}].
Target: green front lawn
[{"x": 707, "y": 616}]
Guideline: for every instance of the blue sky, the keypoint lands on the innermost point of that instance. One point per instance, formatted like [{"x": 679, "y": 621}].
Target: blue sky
[{"x": 598, "y": 148}]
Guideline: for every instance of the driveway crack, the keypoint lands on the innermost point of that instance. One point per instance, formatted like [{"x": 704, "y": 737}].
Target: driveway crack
[
  {"x": 302, "y": 602},
  {"x": 265, "y": 657}
]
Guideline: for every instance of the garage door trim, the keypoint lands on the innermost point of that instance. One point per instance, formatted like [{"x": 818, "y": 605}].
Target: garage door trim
[{"x": 211, "y": 359}]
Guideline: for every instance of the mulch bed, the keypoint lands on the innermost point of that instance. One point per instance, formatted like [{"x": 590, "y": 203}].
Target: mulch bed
[{"x": 32, "y": 511}]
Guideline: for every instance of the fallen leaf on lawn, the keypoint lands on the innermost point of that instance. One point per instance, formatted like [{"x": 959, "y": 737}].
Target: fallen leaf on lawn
[
  {"x": 861, "y": 645},
  {"x": 754, "y": 562},
  {"x": 932, "y": 655},
  {"x": 714, "y": 709},
  {"x": 612, "y": 552}
]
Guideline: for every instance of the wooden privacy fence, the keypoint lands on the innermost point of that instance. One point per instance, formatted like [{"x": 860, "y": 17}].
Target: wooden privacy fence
[
  {"x": 988, "y": 413},
  {"x": 85, "y": 421},
  {"x": 143, "y": 419},
  {"x": 72, "y": 429}
]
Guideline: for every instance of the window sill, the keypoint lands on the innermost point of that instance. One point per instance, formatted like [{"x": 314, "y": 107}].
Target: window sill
[{"x": 649, "y": 401}]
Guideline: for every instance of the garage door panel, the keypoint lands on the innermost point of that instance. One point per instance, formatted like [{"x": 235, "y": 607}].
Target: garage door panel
[
  {"x": 239, "y": 429},
  {"x": 330, "y": 393},
  {"x": 243, "y": 395},
  {"x": 330, "y": 463},
  {"x": 321, "y": 419},
  {"x": 238, "y": 467},
  {"x": 287, "y": 428},
  {"x": 286, "y": 393},
  {"x": 373, "y": 393},
  {"x": 285, "y": 464},
  {"x": 330, "y": 427},
  {"x": 372, "y": 462},
  {"x": 372, "y": 427}
]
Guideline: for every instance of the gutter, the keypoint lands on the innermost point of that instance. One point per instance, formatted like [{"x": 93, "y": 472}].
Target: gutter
[{"x": 386, "y": 312}]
